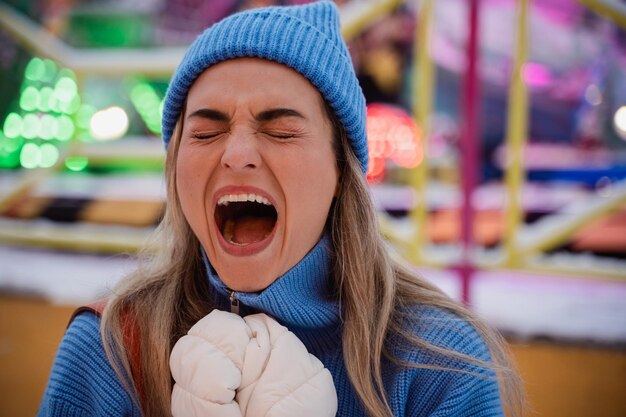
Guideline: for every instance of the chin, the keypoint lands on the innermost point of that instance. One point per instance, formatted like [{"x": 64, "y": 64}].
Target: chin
[{"x": 247, "y": 275}]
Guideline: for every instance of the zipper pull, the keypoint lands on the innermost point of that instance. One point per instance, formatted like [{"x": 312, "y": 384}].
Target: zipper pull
[{"x": 234, "y": 303}]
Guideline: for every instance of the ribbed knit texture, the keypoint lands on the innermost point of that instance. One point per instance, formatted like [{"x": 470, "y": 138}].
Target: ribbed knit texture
[
  {"x": 305, "y": 38},
  {"x": 82, "y": 382}
]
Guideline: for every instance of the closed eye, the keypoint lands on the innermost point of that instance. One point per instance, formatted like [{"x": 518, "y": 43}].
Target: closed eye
[
  {"x": 206, "y": 135},
  {"x": 281, "y": 134}
]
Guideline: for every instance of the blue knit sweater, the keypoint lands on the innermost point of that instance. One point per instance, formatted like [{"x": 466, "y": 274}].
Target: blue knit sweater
[{"x": 82, "y": 382}]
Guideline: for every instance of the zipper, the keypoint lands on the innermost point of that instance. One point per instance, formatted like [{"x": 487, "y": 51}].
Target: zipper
[{"x": 234, "y": 303}]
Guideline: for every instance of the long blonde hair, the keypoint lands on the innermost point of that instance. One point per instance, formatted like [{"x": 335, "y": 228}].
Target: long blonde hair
[{"x": 169, "y": 292}]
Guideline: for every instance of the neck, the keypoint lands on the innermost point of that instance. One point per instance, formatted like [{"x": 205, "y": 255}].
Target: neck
[{"x": 302, "y": 298}]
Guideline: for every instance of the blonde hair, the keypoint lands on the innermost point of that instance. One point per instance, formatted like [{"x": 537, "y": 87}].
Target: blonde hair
[
  {"x": 377, "y": 293},
  {"x": 169, "y": 293}
]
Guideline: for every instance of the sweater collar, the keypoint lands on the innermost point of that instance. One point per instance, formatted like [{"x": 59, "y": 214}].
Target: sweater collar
[{"x": 301, "y": 298}]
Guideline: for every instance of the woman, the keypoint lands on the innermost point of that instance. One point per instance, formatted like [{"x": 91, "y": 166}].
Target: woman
[{"x": 269, "y": 212}]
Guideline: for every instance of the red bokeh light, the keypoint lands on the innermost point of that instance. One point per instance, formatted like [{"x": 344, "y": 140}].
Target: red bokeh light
[{"x": 392, "y": 134}]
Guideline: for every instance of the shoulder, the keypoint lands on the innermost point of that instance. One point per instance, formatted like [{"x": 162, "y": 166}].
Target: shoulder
[
  {"x": 443, "y": 329},
  {"x": 82, "y": 335},
  {"x": 82, "y": 381},
  {"x": 447, "y": 365}
]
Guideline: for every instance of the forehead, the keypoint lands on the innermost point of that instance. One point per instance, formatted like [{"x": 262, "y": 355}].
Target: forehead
[{"x": 253, "y": 79}]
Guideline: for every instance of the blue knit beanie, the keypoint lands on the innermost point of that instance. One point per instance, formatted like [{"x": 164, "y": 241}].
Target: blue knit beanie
[{"x": 305, "y": 38}]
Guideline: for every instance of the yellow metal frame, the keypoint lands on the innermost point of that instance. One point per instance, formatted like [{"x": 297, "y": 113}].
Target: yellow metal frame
[
  {"x": 423, "y": 90},
  {"x": 516, "y": 132},
  {"x": 156, "y": 62},
  {"x": 33, "y": 37},
  {"x": 162, "y": 61},
  {"x": 611, "y": 9},
  {"x": 523, "y": 245},
  {"x": 97, "y": 239},
  {"x": 356, "y": 16}
]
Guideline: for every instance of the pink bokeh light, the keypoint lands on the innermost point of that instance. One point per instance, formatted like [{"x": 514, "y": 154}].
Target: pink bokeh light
[{"x": 536, "y": 75}]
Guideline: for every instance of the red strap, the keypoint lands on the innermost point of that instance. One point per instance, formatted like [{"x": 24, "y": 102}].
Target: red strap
[
  {"x": 96, "y": 308},
  {"x": 132, "y": 339}
]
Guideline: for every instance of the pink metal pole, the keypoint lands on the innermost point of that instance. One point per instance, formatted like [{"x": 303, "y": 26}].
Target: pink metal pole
[{"x": 469, "y": 148}]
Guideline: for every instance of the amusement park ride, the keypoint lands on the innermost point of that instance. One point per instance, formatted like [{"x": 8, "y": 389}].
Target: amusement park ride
[{"x": 520, "y": 246}]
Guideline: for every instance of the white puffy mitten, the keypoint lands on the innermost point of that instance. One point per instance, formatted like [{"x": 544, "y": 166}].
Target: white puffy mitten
[{"x": 228, "y": 366}]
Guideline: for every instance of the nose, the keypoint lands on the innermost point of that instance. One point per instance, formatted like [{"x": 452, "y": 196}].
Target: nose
[{"x": 240, "y": 152}]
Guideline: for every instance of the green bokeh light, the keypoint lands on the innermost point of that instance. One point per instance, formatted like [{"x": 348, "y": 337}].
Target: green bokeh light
[
  {"x": 70, "y": 107},
  {"x": 49, "y": 127},
  {"x": 84, "y": 136},
  {"x": 65, "y": 128},
  {"x": 74, "y": 105},
  {"x": 30, "y": 126},
  {"x": 50, "y": 70},
  {"x": 66, "y": 72},
  {"x": 65, "y": 89},
  {"x": 9, "y": 151},
  {"x": 76, "y": 163},
  {"x": 30, "y": 157},
  {"x": 148, "y": 105},
  {"x": 44, "y": 99},
  {"x": 141, "y": 95},
  {"x": 83, "y": 116},
  {"x": 35, "y": 69},
  {"x": 154, "y": 127},
  {"x": 11, "y": 145},
  {"x": 49, "y": 155},
  {"x": 53, "y": 104},
  {"x": 13, "y": 125},
  {"x": 29, "y": 99},
  {"x": 11, "y": 160}
]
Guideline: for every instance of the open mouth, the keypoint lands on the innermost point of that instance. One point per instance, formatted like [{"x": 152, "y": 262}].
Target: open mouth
[{"x": 244, "y": 219}]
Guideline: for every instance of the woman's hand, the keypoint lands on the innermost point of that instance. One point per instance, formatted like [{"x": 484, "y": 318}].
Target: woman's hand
[{"x": 228, "y": 366}]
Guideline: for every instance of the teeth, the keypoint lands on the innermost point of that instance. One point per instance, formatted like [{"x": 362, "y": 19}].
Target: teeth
[{"x": 236, "y": 198}]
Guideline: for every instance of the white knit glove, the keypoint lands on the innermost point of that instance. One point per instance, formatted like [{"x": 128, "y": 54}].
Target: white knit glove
[{"x": 228, "y": 366}]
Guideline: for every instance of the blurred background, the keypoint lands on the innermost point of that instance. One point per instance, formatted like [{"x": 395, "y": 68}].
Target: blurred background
[{"x": 497, "y": 133}]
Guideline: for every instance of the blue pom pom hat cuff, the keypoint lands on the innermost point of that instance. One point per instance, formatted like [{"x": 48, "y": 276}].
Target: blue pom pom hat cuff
[{"x": 305, "y": 38}]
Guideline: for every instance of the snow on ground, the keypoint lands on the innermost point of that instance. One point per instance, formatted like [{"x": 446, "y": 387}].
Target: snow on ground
[
  {"x": 548, "y": 306},
  {"x": 61, "y": 277},
  {"x": 552, "y": 306}
]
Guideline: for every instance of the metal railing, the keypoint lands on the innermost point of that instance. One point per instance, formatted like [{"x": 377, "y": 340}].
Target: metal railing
[{"x": 523, "y": 245}]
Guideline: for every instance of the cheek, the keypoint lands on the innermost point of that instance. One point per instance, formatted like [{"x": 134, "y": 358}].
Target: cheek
[
  {"x": 314, "y": 193},
  {"x": 189, "y": 186}
]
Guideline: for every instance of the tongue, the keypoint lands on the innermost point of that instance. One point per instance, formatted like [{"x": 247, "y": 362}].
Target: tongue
[{"x": 248, "y": 229}]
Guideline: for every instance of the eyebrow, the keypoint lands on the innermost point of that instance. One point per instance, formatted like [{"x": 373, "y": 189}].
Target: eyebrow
[
  {"x": 272, "y": 114},
  {"x": 210, "y": 114},
  {"x": 264, "y": 116}
]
